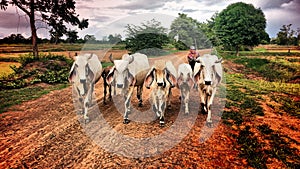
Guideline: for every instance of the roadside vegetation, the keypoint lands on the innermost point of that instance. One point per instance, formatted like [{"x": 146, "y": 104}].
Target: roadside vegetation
[{"x": 263, "y": 85}]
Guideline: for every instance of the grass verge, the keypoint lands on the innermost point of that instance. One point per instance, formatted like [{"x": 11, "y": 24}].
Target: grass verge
[{"x": 12, "y": 97}]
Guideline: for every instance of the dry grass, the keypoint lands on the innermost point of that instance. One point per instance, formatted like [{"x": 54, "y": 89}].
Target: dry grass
[{"x": 5, "y": 68}]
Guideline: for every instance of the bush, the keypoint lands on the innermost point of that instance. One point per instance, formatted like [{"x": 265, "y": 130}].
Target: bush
[
  {"x": 50, "y": 69},
  {"x": 180, "y": 45}
]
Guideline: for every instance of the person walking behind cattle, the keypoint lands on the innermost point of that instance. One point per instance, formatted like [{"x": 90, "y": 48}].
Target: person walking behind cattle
[{"x": 192, "y": 56}]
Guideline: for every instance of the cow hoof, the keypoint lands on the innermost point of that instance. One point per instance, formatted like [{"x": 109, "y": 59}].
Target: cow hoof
[
  {"x": 161, "y": 124},
  {"x": 202, "y": 111},
  {"x": 169, "y": 107},
  {"x": 140, "y": 105},
  {"x": 126, "y": 121},
  {"x": 186, "y": 113},
  {"x": 86, "y": 121},
  {"x": 209, "y": 124}
]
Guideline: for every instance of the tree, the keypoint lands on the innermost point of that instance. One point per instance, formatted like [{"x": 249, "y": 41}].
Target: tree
[
  {"x": 54, "y": 13},
  {"x": 113, "y": 39},
  {"x": 146, "y": 38},
  {"x": 189, "y": 31},
  {"x": 72, "y": 36},
  {"x": 265, "y": 38},
  {"x": 209, "y": 30},
  {"x": 287, "y": 36},
  {"x": 240, "y": 24},
  {"x": 89, "y": 38},
  {"x": 14, "y": 38},
  {"x": 55, "y": 36}
]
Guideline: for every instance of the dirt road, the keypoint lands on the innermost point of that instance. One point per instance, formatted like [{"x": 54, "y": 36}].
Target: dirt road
[{"x": 47, "y": 133}]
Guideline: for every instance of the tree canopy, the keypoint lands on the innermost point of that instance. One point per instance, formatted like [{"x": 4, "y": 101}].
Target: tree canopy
[
  {"x": 240, "y": 24},
  {"x": 288, "y": 36},
  {"x": 56, "y": 14},
  {"x": 189, "y": 31},
  {"x": 146, "y": 38}
]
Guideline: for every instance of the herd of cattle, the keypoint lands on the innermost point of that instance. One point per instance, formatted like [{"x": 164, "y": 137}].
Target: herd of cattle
[{"x": 135, "y": 71}]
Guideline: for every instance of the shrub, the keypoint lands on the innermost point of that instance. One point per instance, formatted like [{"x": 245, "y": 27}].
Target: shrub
[{"x": 47, "y": 68}]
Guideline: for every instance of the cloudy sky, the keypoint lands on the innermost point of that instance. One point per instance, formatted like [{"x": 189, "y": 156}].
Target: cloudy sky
[{"x": 110, "y": 17}]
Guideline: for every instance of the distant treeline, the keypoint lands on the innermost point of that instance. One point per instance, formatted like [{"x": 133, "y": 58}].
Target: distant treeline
[{"x": 20, "y": 39}]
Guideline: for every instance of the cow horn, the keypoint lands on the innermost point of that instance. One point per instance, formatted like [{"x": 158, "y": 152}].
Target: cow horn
[
  {"x": 198, "y": 60},
  {"x": 219, "y": 60},
  {"x": 90, "y": 56},
  {"x": 111, "y": 58},
  {"x": 131, "y": 59}
]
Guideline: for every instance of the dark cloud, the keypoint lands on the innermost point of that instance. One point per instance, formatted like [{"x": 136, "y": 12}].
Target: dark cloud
[
  {"x": 269, "y": 4},
  {"x": 12, "y": 20},
  {"x": 189, "y": 10}
]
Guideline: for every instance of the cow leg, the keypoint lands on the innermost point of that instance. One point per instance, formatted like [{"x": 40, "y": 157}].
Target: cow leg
[
  {"x": 90, "y": 93},
  {"x": 127, "y": 104},
  {"x": 186, "y": 102},
  {"x": 80, "y": 107},
  {"x": 209, "y": 103},
  {"x": 202, "y": 101},
  {"x": 154, "y": 105},
  {"x": 85, "y": 110},
  {"x": 105, "y": 92},
  {"x": 109, "y": 90},
  {"x": 162, "y": 108},
  {"x": 139, "y": 95},
  {"x": 169, "y": 99}
]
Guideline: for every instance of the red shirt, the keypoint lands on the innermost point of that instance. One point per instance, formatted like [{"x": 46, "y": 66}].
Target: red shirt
[{"x": 192, "y": 55}]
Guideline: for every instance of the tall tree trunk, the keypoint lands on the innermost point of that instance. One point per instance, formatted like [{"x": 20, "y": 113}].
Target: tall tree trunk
[
  {"x": 33, "y": 30},
  {"x": 237, "y": 50}
]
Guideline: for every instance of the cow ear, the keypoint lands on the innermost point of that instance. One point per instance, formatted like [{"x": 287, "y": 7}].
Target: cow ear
[
  {"x": 90, "y": 74},
  {"x": 111, "y": 58},
  {"x": 149, "y": 78},
  {"x": 179, "y": 81},
  {"x": 131, "y": 79},
  {"x": 110, "y": 76},
  {"x": 171, "y": 78},
  {"x": 72, "y": 73}
]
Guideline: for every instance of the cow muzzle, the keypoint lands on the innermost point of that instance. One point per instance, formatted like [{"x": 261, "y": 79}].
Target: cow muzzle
[
  {"x": 120, "y": 86},
  {"x": 207, "y": 82},
  {"x": 160, "y": 84}
]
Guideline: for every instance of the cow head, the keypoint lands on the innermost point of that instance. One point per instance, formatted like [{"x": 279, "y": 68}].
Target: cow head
[
  {"x": 120, "y": 75},
  {"x": 185, "y": 79},
  {"x": 80, "y": 73},
  {"x": 160, "y": 76},
  {"x": 205, "y": 69}
]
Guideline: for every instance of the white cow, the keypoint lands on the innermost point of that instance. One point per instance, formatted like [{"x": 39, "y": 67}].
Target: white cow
[
  {"x": 160, "y": 80},
  {"x": 185, "y": 82},
  {"x": 207, "y": 74},
  {"x": 85, "y": 72},
  {"x": 126, "y": 74}
]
